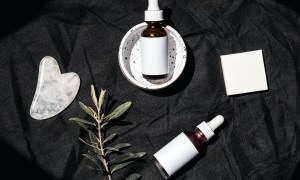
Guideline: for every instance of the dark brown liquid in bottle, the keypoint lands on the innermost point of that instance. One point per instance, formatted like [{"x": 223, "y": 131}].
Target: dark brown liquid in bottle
[
  {"x": 154, "y": 29},
  {"x": 197, "y": 138}
]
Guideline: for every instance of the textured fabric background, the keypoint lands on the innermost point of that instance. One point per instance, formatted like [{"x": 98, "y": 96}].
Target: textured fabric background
[{"x": 261, "y": 136}]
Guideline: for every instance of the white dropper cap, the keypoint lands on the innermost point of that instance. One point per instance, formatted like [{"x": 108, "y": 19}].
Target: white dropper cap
[
  {"x": 153, "y": 13},
  {"x": 208, "y": 128}
]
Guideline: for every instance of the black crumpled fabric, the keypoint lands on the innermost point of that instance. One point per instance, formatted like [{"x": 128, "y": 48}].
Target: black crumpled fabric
[{"x": 259, "y": 140}]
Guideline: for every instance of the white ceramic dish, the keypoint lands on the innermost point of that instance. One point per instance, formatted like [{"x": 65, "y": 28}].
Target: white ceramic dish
[{"x": 130, "y": 57}]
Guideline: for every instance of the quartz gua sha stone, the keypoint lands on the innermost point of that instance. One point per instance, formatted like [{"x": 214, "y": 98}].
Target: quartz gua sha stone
[{"x": 54, "y": 91}]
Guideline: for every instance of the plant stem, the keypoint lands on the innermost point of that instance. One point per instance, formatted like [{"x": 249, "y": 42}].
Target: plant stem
[{"x": 105, "y": 163}]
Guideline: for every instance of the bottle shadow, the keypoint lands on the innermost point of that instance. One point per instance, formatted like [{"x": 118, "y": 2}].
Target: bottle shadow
[
  {"x": 189, "y": 165},
  {"x": 167, "y": 17}
]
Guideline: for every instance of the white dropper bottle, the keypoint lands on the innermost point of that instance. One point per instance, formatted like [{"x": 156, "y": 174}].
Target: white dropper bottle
[
  {"x": 185, "y": 147},
  {"x": 154, "y": 45}
]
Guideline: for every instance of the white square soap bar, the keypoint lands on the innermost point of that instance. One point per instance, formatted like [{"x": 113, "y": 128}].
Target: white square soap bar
[{"x": 244, "y": 72}]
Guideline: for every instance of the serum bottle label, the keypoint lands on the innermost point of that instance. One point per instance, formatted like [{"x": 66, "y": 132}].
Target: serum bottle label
[
  {"x": 176, "y": 154},
  {"x": 154, "y": 55}
]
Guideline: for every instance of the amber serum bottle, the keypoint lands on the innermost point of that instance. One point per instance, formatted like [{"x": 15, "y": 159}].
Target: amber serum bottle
[
  {"x": 154, "y": 44},
  {"x": 185, "y": 147}
]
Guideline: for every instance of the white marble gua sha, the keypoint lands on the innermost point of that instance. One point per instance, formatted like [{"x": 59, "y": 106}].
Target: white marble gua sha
[{"x": 54, "y": 91}]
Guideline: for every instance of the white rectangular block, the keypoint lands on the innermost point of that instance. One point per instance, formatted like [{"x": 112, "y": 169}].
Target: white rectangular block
[{"x": 244, "y": 72}]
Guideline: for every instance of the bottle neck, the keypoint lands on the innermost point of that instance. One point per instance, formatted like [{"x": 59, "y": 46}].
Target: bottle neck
[
  {"x": 197, "y": 138},
  {"x": 154, "y": 29},
  {"x": 154, "y": 24}
]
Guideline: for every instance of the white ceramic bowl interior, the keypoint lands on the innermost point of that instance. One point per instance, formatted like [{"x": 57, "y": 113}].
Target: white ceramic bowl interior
[{"x": 130, "y": 57}]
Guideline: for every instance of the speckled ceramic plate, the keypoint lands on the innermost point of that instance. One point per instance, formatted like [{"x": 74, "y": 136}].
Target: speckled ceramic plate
[{"x": 130, "y": 57}]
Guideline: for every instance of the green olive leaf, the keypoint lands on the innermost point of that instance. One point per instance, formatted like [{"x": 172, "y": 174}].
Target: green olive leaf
[
  {"x": 120, "y": 166},
  {"x": 94, "y": 97},
  {"x": 101, "y": 98},
  {"x": 101, "y": 159},
  {"x": 110, "y": 138},
  {"x": 92, "y": 168},
  {"x": 82, "y": 125},
  {"x": 139, "y": 154},
  {"x": 86, "y": 109},
  {"x": 121, "y": 145},
  {"x": 119, "y": 111},
  {"x": 128, "y": 156},
  {"x": 103, "y": 125},
  {"x": 134, "y": 176},
  {"x": 93, "y": 159},
  {"x": 94, "y": 139},
  {"x": 82, "y": 121},
  {"x": 110, "y": 150},
  {"x": 93, "y": 111}
]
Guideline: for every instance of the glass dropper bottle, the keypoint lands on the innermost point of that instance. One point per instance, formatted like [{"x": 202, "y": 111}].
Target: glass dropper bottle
[
  {"x": 185, "y": 147},
  {"x": 154, "y": 45}
]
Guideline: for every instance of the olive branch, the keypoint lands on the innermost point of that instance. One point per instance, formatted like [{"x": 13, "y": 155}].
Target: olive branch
[{"x": 100, "y": 149}]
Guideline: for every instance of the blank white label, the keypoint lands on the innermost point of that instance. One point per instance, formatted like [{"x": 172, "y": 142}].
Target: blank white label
[
  {"x": 176, "y": 154},
  {"x": 154, "y": 55}
]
